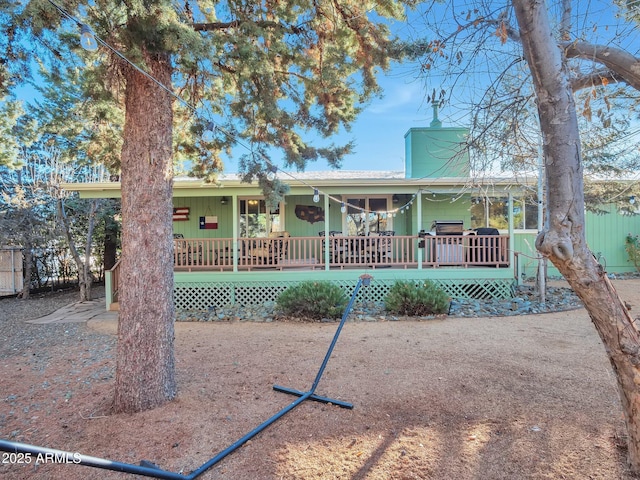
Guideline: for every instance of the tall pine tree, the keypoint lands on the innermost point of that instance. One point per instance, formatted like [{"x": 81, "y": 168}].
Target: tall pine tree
[{"x": 268, "y": 72}]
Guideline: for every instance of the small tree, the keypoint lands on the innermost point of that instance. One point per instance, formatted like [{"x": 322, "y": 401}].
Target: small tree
[
  {"x": 34, "y": 211},
  {"x": 25, "y": 220},
  {"x": 632, "y": 246}
]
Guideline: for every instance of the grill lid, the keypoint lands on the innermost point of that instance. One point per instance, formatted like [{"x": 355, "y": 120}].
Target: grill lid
[{"x": 448, "y": 227}]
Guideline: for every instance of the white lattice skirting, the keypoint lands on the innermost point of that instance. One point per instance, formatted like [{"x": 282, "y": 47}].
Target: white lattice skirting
[{"x": 204, "y": 295}]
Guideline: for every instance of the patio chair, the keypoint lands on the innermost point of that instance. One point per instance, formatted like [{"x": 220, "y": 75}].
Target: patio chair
[
  {"x": 336, "y": 247},
  {"x": 380, "y": 250},
  {"x": 273, "y": 249},
  {"x": 187, "y": 252},
  {"x": 182, "y": 252}
]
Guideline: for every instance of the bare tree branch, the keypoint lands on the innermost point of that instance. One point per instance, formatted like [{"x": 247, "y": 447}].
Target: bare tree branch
[
  {"x": 208, "y": 27},
  {"x": 595, "y": 79},
  {"x": 625, "y": 65}
]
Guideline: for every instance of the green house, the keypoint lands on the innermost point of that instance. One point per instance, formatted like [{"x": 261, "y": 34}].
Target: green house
[{"x": 432, "y": 221}]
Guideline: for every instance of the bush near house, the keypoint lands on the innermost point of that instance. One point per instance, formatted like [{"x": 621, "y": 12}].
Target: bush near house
[
  {"x": 632, "y": 246},
  {"x": 408, "y": 298},
  {"x": 313, "y": 300}
]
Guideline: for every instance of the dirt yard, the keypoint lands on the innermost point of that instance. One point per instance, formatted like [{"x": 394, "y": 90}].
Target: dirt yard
[{"x": 527, "y": 397}]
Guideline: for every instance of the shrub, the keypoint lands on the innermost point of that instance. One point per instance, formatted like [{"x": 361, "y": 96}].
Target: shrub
[
  {"x": 313, "y": 300},
  {"x": 632, "y": 246},
  {"x": 407, "y": 298}
]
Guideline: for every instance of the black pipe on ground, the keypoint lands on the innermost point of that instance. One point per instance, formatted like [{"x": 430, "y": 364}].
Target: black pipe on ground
[{"x": 148, "y": 471}]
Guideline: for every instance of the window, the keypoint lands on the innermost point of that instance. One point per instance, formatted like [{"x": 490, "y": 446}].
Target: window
[
  {"x": 255, "y": 221},
  {"x": 525, "y": 213},
  {"x": 494, "y": 212},
  {"x": 375, "y": 219}
]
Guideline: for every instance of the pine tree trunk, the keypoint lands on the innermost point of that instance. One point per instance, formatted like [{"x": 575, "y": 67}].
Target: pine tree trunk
[
  {"x": 145, "y": 371},
  {"x": 563, "y": 240}
]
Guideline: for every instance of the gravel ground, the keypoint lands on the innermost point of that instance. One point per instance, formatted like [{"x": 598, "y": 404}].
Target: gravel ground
[
  {"x": 526, "y": 397},
  {"x": 20, "y": 337}
]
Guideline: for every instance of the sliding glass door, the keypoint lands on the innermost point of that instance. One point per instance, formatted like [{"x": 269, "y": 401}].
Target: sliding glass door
[
  {"x": 256, "y": 221},
  {"x": 374, "y": 218}
]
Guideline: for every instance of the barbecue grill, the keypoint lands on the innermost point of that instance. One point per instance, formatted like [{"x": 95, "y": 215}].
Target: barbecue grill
[{"x": 448, "y": 227}]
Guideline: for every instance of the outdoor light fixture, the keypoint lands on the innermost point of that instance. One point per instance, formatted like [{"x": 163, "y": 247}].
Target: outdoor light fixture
[
  {"x": 224, "y": 200},
  {"x": 316, "y": 195},
  {"x": 343, "y": 207},
  {"x": 395, "y": 199},
  {"x": 87, "y": 39},
  {"x": 271, "y": 174},
  {"x": 209, "y": 133}
]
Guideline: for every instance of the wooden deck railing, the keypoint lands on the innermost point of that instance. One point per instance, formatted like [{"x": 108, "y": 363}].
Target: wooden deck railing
[{"x": 343, "y": 252}]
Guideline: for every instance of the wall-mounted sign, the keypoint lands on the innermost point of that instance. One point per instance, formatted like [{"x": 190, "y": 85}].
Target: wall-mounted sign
[
  {"x": 180, "y": 214},
  {"x": 209, "y": 222}
]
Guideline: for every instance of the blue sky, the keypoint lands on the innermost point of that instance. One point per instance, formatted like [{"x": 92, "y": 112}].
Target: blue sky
[{"x": 379, "y": 131}]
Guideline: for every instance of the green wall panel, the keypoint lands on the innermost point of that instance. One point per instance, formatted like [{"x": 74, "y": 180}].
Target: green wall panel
[
  {"x": 441, "y": 207},
  {"x": 605, "y": 235},
  {"x": 301, "y": 228},
  {"x": 606, "y": 238},
  {"x": 204, "y": 206},
  {"x": 436, "y": 153}
]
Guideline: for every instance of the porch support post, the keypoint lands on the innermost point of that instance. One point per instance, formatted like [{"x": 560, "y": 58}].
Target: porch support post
[
  {"x": 419, "y": 223},
  {"x": 510, "y": 212},
  {"x": 235, "y": 215},
  {"x": 108, "y": 287},
  {"x": 327, "y": 253}
]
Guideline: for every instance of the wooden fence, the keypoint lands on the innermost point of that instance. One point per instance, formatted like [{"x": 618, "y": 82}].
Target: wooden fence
[{"x": 10, "y": 270}]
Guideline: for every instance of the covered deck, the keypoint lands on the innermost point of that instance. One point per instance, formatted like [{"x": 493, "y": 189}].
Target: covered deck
[
  {"x": 338, "y": 252},
  {"x": 213, "y": 272}
]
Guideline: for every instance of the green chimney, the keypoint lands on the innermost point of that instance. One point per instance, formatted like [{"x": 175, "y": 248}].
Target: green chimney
[{"x": 436, "y": 152}]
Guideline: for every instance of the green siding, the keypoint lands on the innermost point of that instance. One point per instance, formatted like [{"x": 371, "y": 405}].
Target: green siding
[
  {"x": 441, "y": 207},
  {"x": 605, "y": 235},
  {"x": 524, "y": 244},
  {"x": 436, "y": 153},
  {"x": 302, "y": 228},
  {"x": 200, "y": 207}
]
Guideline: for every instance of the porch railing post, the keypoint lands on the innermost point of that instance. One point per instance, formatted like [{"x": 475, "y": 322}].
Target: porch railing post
[
  {"x": 234, "y": 215},
  {"x": 511, "y": 228},
  {"x": 327, "y": 253},
  {"x": 419, "y": 214}
]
